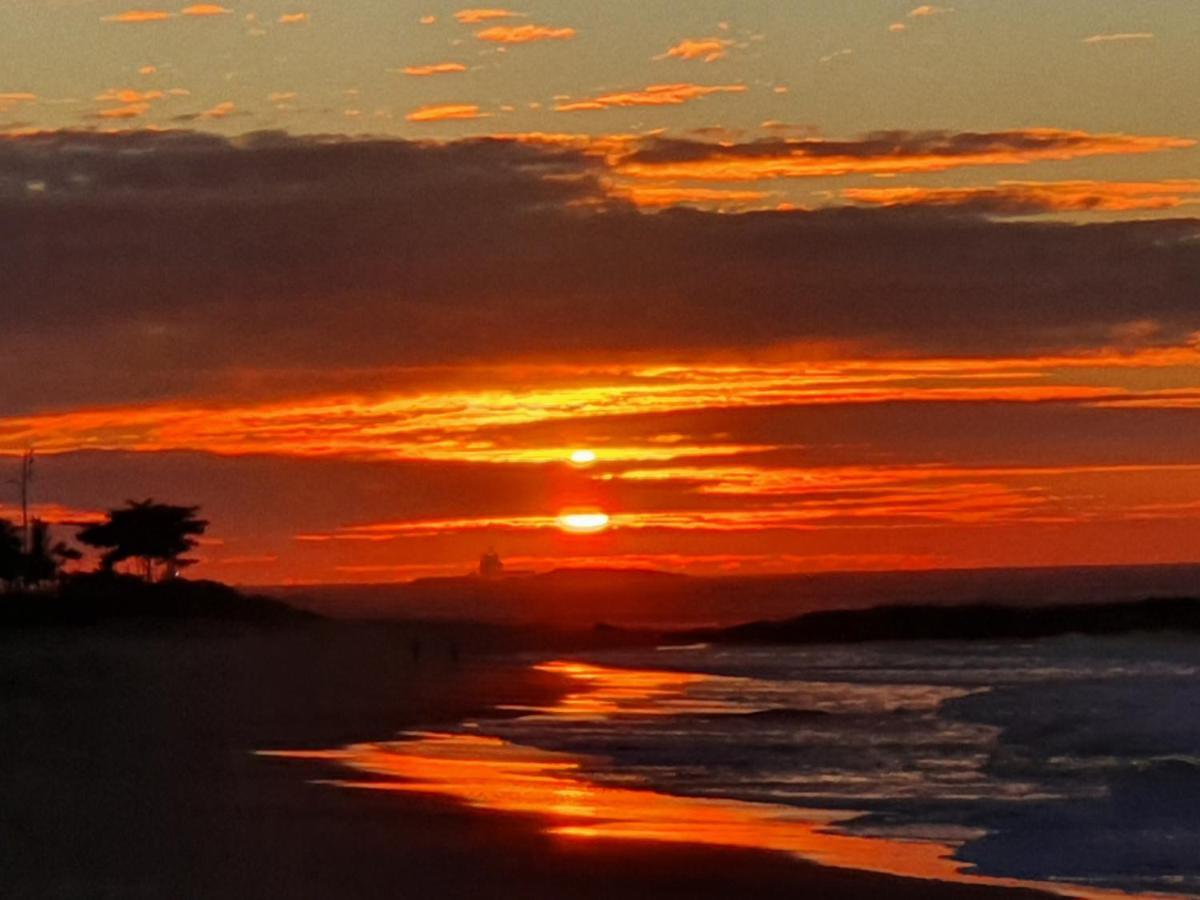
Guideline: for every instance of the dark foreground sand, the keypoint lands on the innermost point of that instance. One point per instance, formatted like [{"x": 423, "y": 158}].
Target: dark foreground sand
[{"x": 126, "y": 770}]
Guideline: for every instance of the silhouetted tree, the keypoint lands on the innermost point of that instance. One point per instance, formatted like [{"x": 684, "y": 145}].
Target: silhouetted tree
[
  {"x": 151, "y": 533},
  {"x": 46, "y": 557},
  {"x": 10, "y": 553}
]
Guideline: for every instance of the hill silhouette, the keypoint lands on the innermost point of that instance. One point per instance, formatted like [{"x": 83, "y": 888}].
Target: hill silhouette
[
  {"x": 972, "y": 622},
  {"x": 653, "y": 599},
  {"x": 99, "y": 599}
]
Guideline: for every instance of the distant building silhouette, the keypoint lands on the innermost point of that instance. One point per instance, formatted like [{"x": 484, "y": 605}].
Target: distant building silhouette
[{"x": 490, "y": 565}]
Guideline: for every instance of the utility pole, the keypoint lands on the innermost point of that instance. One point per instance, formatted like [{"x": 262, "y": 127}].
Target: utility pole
[{"x": 26, "y": 478}]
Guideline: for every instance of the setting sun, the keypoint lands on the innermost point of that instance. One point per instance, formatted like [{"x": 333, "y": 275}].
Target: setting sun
[
  {"x": 583, "y": 457},
  {"x": 583, "y": 521}
]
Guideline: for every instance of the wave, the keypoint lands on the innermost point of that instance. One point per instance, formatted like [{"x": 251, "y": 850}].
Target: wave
[{"x": 1071, "y": 758}]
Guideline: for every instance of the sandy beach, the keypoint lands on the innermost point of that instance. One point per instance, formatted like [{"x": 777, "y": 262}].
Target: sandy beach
[{"x": 130, "y": 772}]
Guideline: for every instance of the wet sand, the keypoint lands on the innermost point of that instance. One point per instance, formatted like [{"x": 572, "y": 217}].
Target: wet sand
[{"x": 129, "y": 771}]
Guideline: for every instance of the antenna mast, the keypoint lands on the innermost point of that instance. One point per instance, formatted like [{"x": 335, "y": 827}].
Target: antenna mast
[{"x": 26, "y": 478}]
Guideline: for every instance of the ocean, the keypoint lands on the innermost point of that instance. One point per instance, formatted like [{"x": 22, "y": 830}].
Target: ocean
[{"x": 1069, "y": 759}]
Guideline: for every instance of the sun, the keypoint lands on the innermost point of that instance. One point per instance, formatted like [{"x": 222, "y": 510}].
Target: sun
[
  {"x": 583, "y": 521},
  {"x": 582, "y": 457}
]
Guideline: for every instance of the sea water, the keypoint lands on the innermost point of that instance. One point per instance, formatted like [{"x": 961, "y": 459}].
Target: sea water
[{"x": 1069, "y": 759}]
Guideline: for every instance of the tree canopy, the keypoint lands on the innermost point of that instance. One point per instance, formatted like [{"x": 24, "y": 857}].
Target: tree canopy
[
  {"x": 46, "y": 556},
  {"x": 11, "y": 557},
  {"x": 154, "y": 534},
  {"x": 40, "y": 564}
]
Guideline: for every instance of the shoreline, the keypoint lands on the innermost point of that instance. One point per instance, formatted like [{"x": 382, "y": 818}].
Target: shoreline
[
  {"x": 130, "y": 773},
  {"x": 557, "y": 866},
  {"x": 496, "y": 776}
]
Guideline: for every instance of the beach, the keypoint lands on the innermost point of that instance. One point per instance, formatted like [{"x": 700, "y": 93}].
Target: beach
[{"x": 130, "y": 771}]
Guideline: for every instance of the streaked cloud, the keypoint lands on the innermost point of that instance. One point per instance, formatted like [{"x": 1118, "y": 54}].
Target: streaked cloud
[
  {"x": 1119, "y": 37},
  {"x": 926, "y": 10},
  {"x": 444, "y": 68},
  {"x": 878, "y": 153},
  {"x": 414, "y": 519},
  {"x": 708, "y": 49},
  {"x": 205, "y": 9},
  {"x": 476, "y": 16},
  {"x": 526, "y": 415},
  {"x": 52, "y": 514},
  {"x": 129, "y": 95},
  {"x": 1023, "y": 197},
  {"x": 440, "y": 112},
  {"x": 219, "y": 111},
  {"x": 524, "y": 34},
  {"x": 919, "y": 13},
  {"x": 136, "y": 16},
  {"x": 294, "y": 18},
  {"x": 651, "y": 196},
  {"x": 652, "y": 95}
]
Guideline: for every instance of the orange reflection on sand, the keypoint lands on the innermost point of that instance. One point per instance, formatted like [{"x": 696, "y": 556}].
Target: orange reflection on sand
[
  {"x": 491, "y": 773},
  {"x": 503, "y": 776},
  {"x": 606, "y": 692}
]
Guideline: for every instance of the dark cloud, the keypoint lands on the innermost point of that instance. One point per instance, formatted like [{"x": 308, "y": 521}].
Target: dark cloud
[
  {"x": 1025, "y": 198},
  {"x": 898, "y": 146},
  {"x": 267, "y": 167},
  {"x": 144, "y": 265}
]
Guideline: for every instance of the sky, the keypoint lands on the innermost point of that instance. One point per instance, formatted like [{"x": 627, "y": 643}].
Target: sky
[{"x": 714, "y": 287}]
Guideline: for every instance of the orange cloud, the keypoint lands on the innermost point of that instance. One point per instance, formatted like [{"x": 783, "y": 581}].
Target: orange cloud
[
  {"x": 476, "y": 16},
  {"x": 135, "y": 16},
  {"x": 129, "y": 95},
  {"x": 132, "y": 103},
  {"x": 53, "y": 514},
  {"x": 220, "y": 111},
  {"x": 680, "y": 470},
  {"x": 399, "y": 424},
  {"x": 293, "y": 18},
  {"x": 967, "y": 503},
  {"x": 524, "y": 34},
  {"x": 654, "y": 197},
  {"x": 878, "y": 153},
  {"x": 707, "y": 49},
  {"x": 652, "y": 95},
  {"x": 926, "y": 10},
  {"x": 1018, "y": 197},
  {"x": 443, "y": 111},
  {"x": 434, "y": 69},
  {"x": 205, "y": 9},
  {"x": 132, "y": 111}
]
